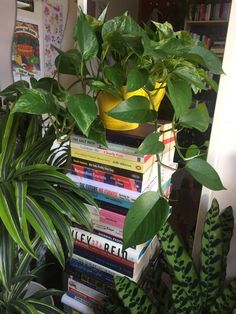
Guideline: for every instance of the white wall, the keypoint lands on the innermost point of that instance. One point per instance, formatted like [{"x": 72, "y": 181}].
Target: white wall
[
  {"x": 7, "y": 26},
  {"x": 222, "y": 149}
]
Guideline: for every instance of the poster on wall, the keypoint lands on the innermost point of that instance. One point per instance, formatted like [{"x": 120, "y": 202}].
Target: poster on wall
[
  {"x": 26, "y": 51},
  {"x": 53, "y": 33}
]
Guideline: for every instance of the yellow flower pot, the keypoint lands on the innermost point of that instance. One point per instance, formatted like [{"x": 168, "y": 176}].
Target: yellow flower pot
[{"x": 107, "y": 102}]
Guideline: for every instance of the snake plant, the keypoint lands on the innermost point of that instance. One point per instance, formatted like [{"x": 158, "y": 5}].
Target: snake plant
[{"x": 191, "y": 291}]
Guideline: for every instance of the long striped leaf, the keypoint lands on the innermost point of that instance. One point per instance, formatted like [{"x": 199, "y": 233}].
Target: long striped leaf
[
  {"x": 226, "y": 303},
  {"x": 43, "y": 225},
  {"x": 41, "y": 294},
  {"x": 227, "y": 227},
  {"x": 33, "y": 133},
  {"x": 3, "y": 122},
  {"x": 62, "y": 225},
  {"x": 211, "y": 256},
  {"x": 28, "y": 171},
  {"x": 9, "y": 217},
  {"x": 79, "y": 211},
  {"x": 44, "y": 308},
  {"x": 25, "y": 307},
  {"x": 182, "y": 265},
  {"x": 7, "y": 257},
  {"x": 8, "y": 145},
  {"x": 133, "y": 297}
]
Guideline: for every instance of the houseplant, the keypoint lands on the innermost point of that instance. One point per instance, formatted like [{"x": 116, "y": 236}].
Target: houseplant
[
  {"x": 190, "y": 291},
  {"x": 116, "y": 53}
]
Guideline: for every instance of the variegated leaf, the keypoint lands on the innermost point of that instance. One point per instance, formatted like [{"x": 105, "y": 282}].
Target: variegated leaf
[
  {"x": 133, "y": 297},
  {"x": 182, "y": 265},
  {"x": 211, "y": 256}
]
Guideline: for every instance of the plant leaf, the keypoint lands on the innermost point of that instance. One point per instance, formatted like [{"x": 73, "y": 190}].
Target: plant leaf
[
  {"x": 192, "y": 151},
  {"x": 83, "y": 109},
  {"x": 133, "y": 297},
  {"x": 134, "y": 109},
  {"x": 182, "y": 266},
  {"x": 24, "y": 307},
  {"x": 204, "y": 173},
  {"x": 144, "y": 219},
  {"x": 36, "y": 101},
  {"x": 180, "y": 95},
  {"x": 181, "y": 300},
  {"x": 107, "y": 88},
  {"x": 70, "y": 62},
  {"x": 190, "y": 75},
  {"x": 195, "y": 118},
  {"x": 97, "y": 132},
  {"x": 226, "y": 302},
  {"x": 43, "y": 307},
  {"x": 151, "y": 145},
  {"x": 115, "y": 75},
  {"x": 43, "y": 225},
  {"x": 136, "y": 79},
  {"x": 86, "y": 38},
  {"x": 211, "y": 256}
]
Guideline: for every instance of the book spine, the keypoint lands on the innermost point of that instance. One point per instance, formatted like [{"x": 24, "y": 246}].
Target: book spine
[
  {"x": 111, "y": 161},
  {"x": 92, "y": 268},
  {"x": 101, "y": 176},
  {"x": 111, "y": 153},
  {"x": 112, "y": 208},
  {"x": 82, "y": 298},
  {"x": 113, "y": 191},
  {"x": 107, "y": 169},
  {"x": 104, "y": 261},
  {"x": 107, "y": 245},
  {"x": 106, "y": 216},
  {"x": 75, "y": 267},
  {"x": 75, "y": 305},
  {"x": 84, "y": 290}
]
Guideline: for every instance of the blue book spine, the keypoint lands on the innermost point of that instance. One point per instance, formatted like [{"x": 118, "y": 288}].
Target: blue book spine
[
  {"x": 90, "y": 271},
  {"x": 99, "y": 259}
]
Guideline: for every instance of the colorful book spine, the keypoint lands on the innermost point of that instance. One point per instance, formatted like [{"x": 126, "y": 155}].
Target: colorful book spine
[
  {"x": 111, "y": 161},
  {"x": 109, "y": 246},
  {"x": 113, "y": 179},
  {"x": 75, "y": 305},
  {"x": 111, "y": 153},
  {"x": 114, "y": 191},
  {"x": 93, "y": 269}
]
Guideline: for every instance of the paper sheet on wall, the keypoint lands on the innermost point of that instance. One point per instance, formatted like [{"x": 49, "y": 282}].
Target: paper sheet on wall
[
  {"x": 26, "y": 51},
  {"x": 53, "y": 32}
]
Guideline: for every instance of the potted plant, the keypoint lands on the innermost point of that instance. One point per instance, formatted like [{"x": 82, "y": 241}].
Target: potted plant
[
  {"x": 190, "y": 291},
  {"x": 118, "y": 56}
]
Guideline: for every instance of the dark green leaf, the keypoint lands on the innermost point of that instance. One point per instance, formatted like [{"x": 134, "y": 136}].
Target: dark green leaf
[
  {"x": 97, "y": 132},
  {"x": 136, "y": 79},
  {"x": 17, "y": 87},
  {"x": 115, "y": 75},
  {"x": 51, "y": 85},
  {"x": 204, "y": 173},
  {"x": 134, "y": 109},
  {"x": 151, "y": 145},
  {"x": 190, "y": 75},
  {"x": 192, "y": 151},
  {"x": 226, "y": 302},
  {"x": 70, "y": 62},
  {"x": 180, "y": 95},
  {"x": 133, "y": 297},
  {"x": 41, "y": 294},
  {"x": 86, "y": 38},
  {"x": 208, "y": 80},
  {"x": 83, "y": 109},
  {"x": 197, "y": 118},
  {"x": 24, "y": 307},
  {"x": 144, "y": 219},
  {"x": 36, "y": 101},
  {"x": 208, "y": 58},
  {"x": 44, "y": 308},
  {"x": 107, "y": 88}
]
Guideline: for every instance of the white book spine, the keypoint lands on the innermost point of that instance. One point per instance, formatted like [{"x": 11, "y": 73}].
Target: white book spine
[
  {"x": 107, "y": 245},
  {"x": 76, "y": 305}
]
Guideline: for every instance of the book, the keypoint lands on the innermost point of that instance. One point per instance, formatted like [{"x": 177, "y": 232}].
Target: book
[
  {"x": 113, "y": 179},
  {"x": 114, "y": 191},
  {"x": 115, "y": 263},
  {"x": 124, "y": 205},
  {"x": 108, "y": 246},
  {"x": 112, "y": 161},
  {"x": 76, "y": 305}
]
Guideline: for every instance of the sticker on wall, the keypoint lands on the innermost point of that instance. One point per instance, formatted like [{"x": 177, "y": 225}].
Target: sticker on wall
[
  {"x": 25, "y": 51},
  {"x": 53, "y": 32}
]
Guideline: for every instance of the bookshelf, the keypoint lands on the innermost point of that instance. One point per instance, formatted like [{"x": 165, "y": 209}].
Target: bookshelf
[{"x": 208, "y": 22}]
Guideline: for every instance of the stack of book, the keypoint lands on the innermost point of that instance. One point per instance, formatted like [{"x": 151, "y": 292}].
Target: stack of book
[
  {"x": 115, "y": 176},
  {"x": 212, "y": 10}
]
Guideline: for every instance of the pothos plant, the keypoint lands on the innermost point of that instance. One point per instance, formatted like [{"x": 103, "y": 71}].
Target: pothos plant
[
  {"x": 111, "y": 54},
  {"x": 190, "y": 291}
]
